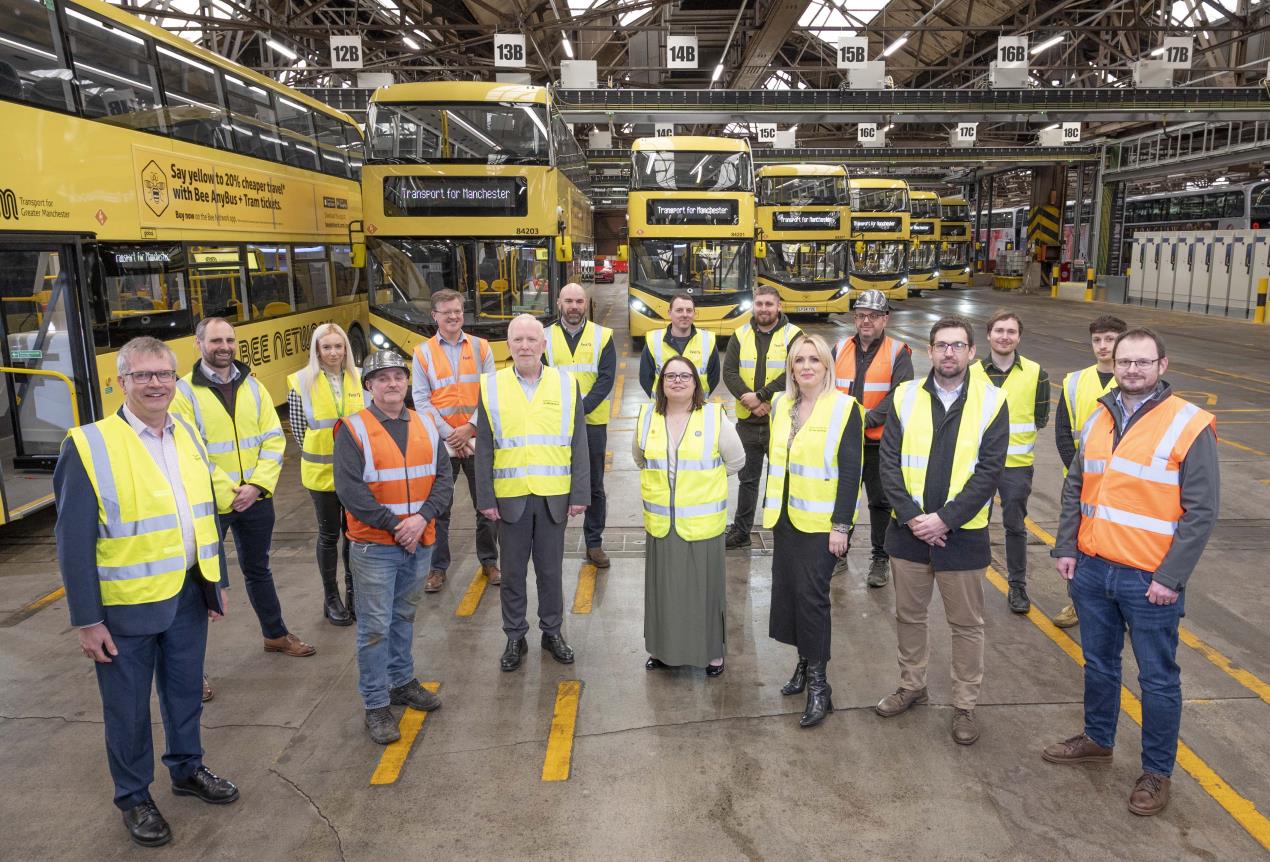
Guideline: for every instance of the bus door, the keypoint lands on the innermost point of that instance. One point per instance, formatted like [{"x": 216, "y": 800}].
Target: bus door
[{"x": 43, "y": 362}]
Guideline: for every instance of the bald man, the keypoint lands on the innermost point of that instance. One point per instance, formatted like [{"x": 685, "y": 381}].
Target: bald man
[
  {"x": 585, "y": 349},
  {"x": 532, "y": 475}
]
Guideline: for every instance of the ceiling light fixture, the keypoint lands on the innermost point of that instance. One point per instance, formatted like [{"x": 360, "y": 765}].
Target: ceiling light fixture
[
  {"x": 895, "y": 46},
  {"x": 1048, "y": 43},
  {"x": 282, "y": 49}
]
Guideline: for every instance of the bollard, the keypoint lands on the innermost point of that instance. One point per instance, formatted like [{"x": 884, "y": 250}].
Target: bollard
[
  {"x": 1259, "y": 315},
  {"x": 1054, "y": 277},
  {"x": 1090, "y": 280}
]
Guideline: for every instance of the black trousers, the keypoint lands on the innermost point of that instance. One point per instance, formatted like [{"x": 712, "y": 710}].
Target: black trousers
[
  {"x": 486, "y": 530},
  {"x": 253, "y": 537},
  {"x": 754, "y": 439},
  {"x": 1015, "y": 487},
  {"x": 879, "y": 507},
  {"x": 534, "y": 535},
  {"x": 802, "y": 567},
  {"x": 331, "y": 541},
  {"x": 597, "y": 438}
]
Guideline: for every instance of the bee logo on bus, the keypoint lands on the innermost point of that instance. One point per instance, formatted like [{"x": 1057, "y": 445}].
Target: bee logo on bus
[
  {"x": 154, "y": 186},
  {"x": 8, "y": 205}
]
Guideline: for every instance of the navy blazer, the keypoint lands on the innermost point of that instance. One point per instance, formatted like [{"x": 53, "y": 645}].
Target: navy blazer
[{"x": 76, "y": 533}]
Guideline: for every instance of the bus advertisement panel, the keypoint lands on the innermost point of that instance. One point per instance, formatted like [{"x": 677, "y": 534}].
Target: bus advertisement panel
[{"x": 804, "y": 218}]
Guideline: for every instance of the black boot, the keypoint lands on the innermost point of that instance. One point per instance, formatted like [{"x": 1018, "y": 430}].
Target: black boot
[
  {"x": 819, "y": 700},
  {"x": 349, "y": 604},
  {"x": 332, "y": 606},
  {"x": 798, "y": 681}
]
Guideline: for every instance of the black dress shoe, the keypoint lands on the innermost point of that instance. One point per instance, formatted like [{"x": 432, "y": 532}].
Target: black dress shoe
[
  {"x": 1017, "y": 600},
  {"x": 655, "y": 664},
  {"x": 559, "y": 650},
  {"x": 207, "y": 786},
  {"x": 146, "y": 825},
  {"x": 514, "y": 653},
  {"x": 714, "y": 669}
]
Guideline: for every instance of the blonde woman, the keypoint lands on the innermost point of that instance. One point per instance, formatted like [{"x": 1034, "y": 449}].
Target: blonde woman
[
  {"x": 813, "y": 480},
  {"x": 323, "y": 392}
]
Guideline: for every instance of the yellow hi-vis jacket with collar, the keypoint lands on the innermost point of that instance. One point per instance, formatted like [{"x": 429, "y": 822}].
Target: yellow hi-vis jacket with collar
[
  {"x": 321, "y": 412},
  {"x": 1081, "y": 391},
  {"x": 810, "y": 465},
  {"x": 245, "y": 449},
  {"x": 697, "y": 351},
  {"x": 773, "y": 363},
  {"x": 533, "y": 438},
  {"x": 1020, "y": 396},
  {"x": 584, "y": 363},
  {"x": 699, "y": 499},
  {"x": 913, "y": 408},
  {"x": 140, "y": 550}
]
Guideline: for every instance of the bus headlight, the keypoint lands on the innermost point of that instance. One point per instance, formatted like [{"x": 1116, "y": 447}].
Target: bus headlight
[
  {"x": 966, "y": 270},
  {"x": 639, "y": 307},
  {"x": 744, "y": 305},
  {"x": 377, "y": 339},
  {"x": 903, "y": 279},
  {"x": 935, "y": 274}
]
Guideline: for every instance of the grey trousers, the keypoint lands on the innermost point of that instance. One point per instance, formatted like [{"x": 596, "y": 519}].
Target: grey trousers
[
  {"x": 534, "y": 535},
  {"x": 1014, "y": 488}
]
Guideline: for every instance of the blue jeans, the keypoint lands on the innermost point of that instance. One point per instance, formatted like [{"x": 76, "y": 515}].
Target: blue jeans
[
  {"x": 388, "y": 584},
  {"x": 1110, "y": 598}
]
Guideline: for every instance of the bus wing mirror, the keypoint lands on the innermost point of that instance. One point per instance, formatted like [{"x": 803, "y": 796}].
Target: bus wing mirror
[
  {"x": 760, "y": 249},
  {"x": 564, "y": 249},
  {"x": 357, "y": 244},
  {"x": 859, "y": 247}
]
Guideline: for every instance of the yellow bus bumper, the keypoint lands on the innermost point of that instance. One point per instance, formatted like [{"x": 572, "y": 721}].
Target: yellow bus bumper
[
  {"x": 795, "y": 301},
  {"x": 647, "y": 312}
]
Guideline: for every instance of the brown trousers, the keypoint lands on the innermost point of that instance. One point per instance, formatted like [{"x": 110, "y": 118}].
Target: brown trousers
[{"x": 962, "y": 593}]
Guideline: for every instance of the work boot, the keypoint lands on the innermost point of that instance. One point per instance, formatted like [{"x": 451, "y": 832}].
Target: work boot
[
  {"x": 841, "y": 567},
  {"x": 819, "y": 696},
  {"x": 414, "y": 696},
  {"x": 348, "y": 596},
  {"x": 382, "y": 726},
  {"x": 1150, "y": 794},
  {"x": 332, "y": 607},
  {"x": 435, "y": 581},
  {"x": 1077, "y": 749},
  {"x": 879, "y": 572},
  {"x": 1066, "y": 618},
  {"x": 900, "y": 700},
  {"x": 596, "y": 557},
  {"x": 798, "y": 682},
  {"x": 1017, "y": 600},
  {"x": 964, "y": 729},
  {"x": 492, "y": 575},
  {"x": 736, "y": 540}
]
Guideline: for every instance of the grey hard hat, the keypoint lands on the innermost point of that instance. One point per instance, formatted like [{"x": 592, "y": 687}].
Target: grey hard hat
[
  {"x": 872, "y": 300},
  {"x": 381, "y": 359}
]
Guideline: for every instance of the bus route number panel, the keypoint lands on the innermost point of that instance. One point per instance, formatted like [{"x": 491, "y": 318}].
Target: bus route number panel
[
  {"x": 418, "y": 197},
  {"x": 681, "y": 211},
  {"x": 805, "y": 220}
]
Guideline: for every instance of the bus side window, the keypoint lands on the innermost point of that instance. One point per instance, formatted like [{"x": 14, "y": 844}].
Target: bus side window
[
  {"x": 33, "y": 69},
  {"x": 298, "y": 144},
  {"x": 252, "y": 119},
  {"x": 269, "y": 280},
  {"x": 347, "y": 278},
  {"x": 143, "y": 290},
  {"x": 312, "y": 277},
  {"x": 330, "y": 138},
  {"x": 195, "y": 106},
  {"x": 116, "y": 77}
]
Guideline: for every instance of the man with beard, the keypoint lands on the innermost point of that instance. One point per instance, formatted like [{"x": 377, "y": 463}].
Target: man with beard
[
  {"x": 1027, "y": 393},
  {"x": 585, "y": 350},
  {"x": 942, "y": 455},
  {"x": 1138, "y": 507},
  {"x": 754, "y": 371}
]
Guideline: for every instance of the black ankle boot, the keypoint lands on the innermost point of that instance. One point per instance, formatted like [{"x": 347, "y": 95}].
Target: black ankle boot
[
  {"x": 349, "y": 604},
  {"x": 335, "y": 610},
  {"x": 819, "y": 701},
  {"x": 798, "y": 681}
]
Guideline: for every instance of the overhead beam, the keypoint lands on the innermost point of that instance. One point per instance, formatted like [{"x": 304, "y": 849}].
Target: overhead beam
[{"x": 782, "y": 15}]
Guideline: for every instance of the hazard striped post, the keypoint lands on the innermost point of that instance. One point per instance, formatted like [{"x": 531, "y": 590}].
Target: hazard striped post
[
  {"x": 1054, "y": 277},
  {"x": 1263, "y": 285},
  {"x": 1090, "y": 280}
]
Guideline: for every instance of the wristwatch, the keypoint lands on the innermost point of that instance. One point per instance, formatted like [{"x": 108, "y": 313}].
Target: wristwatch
[{"x": 841, "y": 528}]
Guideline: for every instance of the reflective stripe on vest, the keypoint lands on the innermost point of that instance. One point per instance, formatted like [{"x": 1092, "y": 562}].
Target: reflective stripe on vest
[
  {"x": 773, "y": 362},
  {"x": 140, "y": 550},
  {"x": 321, "y": 412},
  {"x": 453, "y": 391},
  {"x": 699, "y": 500},
  {"x": 584, "y": 364},
  {"x": 697, "y": 351},
  {"x": 1130, "y": 496},
  {"x": 533, "y": 439},
  {"x": 399, "y": 482},
  {"x": 1019, "y": 387},
  {"x": 915, "y": 413},
  {"x": 811, "y": 466},
  {"x": 1081, "y": 391},
  {"x": 877, "y": 377}
]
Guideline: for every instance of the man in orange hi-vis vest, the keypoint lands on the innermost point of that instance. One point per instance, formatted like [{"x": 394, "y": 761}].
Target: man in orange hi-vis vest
[{"x": 1139, "y": 504}]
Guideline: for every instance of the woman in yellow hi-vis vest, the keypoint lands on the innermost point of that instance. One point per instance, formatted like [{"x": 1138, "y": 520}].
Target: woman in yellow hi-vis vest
[
  {"x": 685, "y": 449},
  {"x": 815, "y": 460},
  {"x": 321, "y": 394}
]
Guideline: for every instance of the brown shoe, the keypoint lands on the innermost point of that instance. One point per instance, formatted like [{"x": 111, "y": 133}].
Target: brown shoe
[
  {"x": 1066, "y": 618},
  {"x": 435, "y": 581},
  {"x": 493, "y": 575},
  {"x": 964, "y": 729},
  {"x": 597, "y": 557},
  {"x": 1150, "y": 794},
  {"x": 290, "y": 645},
  {"x": 902, "y": 699},
  {"x": 1078, "y": 749},
  {"x": 208, "y": 694}
]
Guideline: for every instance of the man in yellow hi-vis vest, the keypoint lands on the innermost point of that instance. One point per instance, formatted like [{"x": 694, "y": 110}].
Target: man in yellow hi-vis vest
[
  {"x": 942, "y": 455},
  {"x": 144, "y": 570},
  {"x": 236, "y": 418},
  {"x": 532, "y": 475},
  {"x": 585, "y": 349}
]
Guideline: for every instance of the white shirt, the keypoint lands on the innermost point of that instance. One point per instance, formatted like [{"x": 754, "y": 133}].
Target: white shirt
[
  {"x": 166, "y": 457},
  {"x": 210, "y": 373},
  {"x": 948, "y": 396}
]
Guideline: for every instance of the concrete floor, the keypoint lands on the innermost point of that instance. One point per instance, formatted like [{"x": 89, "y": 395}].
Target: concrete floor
[{"x": 672, "y": 764}]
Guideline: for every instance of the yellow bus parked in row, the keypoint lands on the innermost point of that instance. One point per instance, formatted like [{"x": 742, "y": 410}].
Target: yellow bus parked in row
[
  {"x": 879, "y": 236},
  {"x": 475, "y": 187},
  {"x": 690, "y": 223},
  {"x": 804, "y": 219},
  {"x": 954, "y": 242},
  {"x": 148, "y": 184},
  {"x": 924, "y": 231}
]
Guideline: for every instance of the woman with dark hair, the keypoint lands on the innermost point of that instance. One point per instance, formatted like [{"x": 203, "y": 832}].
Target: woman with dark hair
[
  {"x": 685, "y": 449},
  {"x": 813, "y": 481}
]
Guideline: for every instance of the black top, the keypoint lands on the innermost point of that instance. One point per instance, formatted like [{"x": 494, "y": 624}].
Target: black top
[{"x": 648, "y": 369}]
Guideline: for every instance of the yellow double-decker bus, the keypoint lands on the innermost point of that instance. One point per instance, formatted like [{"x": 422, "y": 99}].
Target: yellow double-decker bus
[
  {"x": 690, "y": 224},
  {"x": 149, "y": 183},
  {"x": 804, "y": 220},
  {"x": 475, "y": 187},
  {"x": 954, "y": 242},
  {"x": 924, "y": 231},
  {"x": 879, "y": 236}
]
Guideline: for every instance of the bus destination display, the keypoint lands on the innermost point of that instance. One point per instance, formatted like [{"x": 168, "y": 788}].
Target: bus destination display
[
  {"x": 679, "y": 211},
  {"x": 456, "y": 196}
]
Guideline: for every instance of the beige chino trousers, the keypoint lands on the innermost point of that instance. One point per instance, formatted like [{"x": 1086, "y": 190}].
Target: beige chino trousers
[{"x": 962, "y": 593}]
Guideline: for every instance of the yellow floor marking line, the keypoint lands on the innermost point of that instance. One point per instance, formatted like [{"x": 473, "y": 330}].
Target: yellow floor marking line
[
  {"x": 608, "y": 460},
  {"x": 555, "y": 766},
  {"x": 1228, "y": 442},
  {"x": 585, "y": 595},
  {"x": 395, "y": 753},
  {"x": 618, "y": 385},
  {"x": 1236, "y": 804},
  {"x": 32, "y": 607},
  {"x": 472, "y": 598}
]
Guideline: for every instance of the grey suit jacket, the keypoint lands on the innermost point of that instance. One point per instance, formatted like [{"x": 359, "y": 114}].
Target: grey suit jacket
[{"x": 511, "y": 509}]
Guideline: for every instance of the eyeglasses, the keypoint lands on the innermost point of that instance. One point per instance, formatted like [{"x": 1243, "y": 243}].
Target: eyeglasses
[
  {"x": 147, "y": 376},
  {"x": 458, "y": 312},
  {"x": 1126, "y": 364},
  {"x": 678, "y": 377},
  {"x": 868, "y": 317},
  {"x": 949, "y": 346}
]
